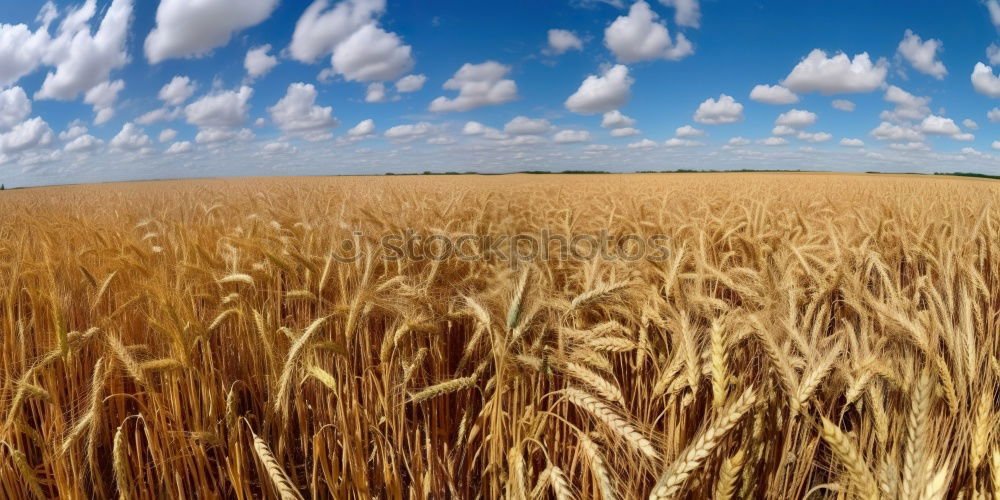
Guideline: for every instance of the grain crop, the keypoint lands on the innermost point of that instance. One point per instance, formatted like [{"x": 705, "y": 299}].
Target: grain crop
[{"x": 796, "y": 335}]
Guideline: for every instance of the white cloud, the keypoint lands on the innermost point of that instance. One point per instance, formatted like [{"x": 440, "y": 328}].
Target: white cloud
[
  {"x": 363, "y": 128},
  {"x": 676, "y": 142},
  {"x": 277, "y": 147},
  {"x": 375, "y": 92},
  {"x": 258, "y": 62},
  {"x": 814, "y": 137},
  {"x": 993, "y": 53},
  {"x": 361, "y": 50},
  {"x": 970, "y": 124},
  {"x": 83, "y": 60},
  {"x": 187, "y": 28},
  {"x": 21, "y": 50},
  {"x": 624, "y": 132},
  {"x": 908, "y": 106},
  {"x": 561, "y": 41},
  {"x": 783, "y": 130},
  {"x": 687, "y": 131},
  {"x": 939, "y": 125},
  {"x": 836, "y": 75},
  {"x": 177, "y": 91},
  {"x": 476, "y": 128},
  {"x": 76, "y": 129},
  {"x": 889, "y": 132},
  {"x": 319, "y": 31},
  {"x": 775, "y": 94},
  {"x": 964, "y": 137},
  {"x": 994, "y": 115},
  {"x": 297, "y": 110},
  {"x": 83, "y": 144},
  {"x": 26, "y": 135},
  {"x": 922, "y": 55},
  {"x": 796, "y": 118},
  {"x": 522, "y": 125},
  {"x": 409, "y": 131},
  {"x": 130, "y": 138},
  {"x": 167, "y": 135},
  {"x": 852, "y": 143},
  {"x": 716, "y": 112},
  {"x": 909, "y": 146},
  {"x": 600, "y": 94},
  {"x": 615, "y": 119},
  {"x": 643, "y": 144},
  {"x": 14, "y": 107},
  {"x": 738, "y": 141},
  {"x": 638, "y": 37},
  {"x": 984, "y": 81},
  {"x": 773, "y": 141},
  {"x": 571, "y": 136},
  {"x": 994, "y": 9},
  {"x": 688, "y": 12},
  {"x": 995, "y": 145},
  {"x": 217, "y": 135},
  {"x": 159, "y": 115},
  {"x": 221, "y": 109},
  {"x": 478, "y": 85},
  {"x": 180, "y": 148},
  {"x": 410, "y": 83},
  {"x": 843, "y": 105},
  {"x": 372, "y": 54},
  {"x": 102, "y": 97}
]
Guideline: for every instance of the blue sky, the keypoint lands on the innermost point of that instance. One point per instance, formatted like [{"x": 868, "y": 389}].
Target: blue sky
[{"x": 118, "y": 89}]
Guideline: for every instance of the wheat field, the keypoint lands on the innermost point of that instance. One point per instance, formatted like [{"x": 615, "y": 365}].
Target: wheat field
[{"x": 806, "y": 335}]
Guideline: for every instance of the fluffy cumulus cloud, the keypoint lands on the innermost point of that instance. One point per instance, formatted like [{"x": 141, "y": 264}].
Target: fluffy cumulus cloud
[
  {"x": 220, "y": 109},
  {"x": 993, "y": 53},
  {"x": 602, "y": 93},
  {"x": 984, "y": 81},
  {"x": 83, "y": 60},
  {"x": 478, "y": 85},
  {"x": 719, "y": 111},
  {"x": 843, "y": 105},
  {"x": 896, "y": 133},
  {"x": 14, "y": 107},
  {"x": 639, "y": 36},
  {"x": 26, "y": 135},
  {"x": 738, "y": 141},
  {"x": 363, "y": 128},
  {"x": 624, "y": 132},
  {"x": 773, "y": 94},
  {"x": 186, "y": 28},
  {"x": 677, "y": 142},
  {"x": 361, "y": 50},
  {"x": 410, "y": 83},
  {"x": 814, "y": 137},
  {"x": 848, "y": 142},
  {"x": 83, "y": 144},
  {"x": 21, "y": 49},
  {"x": 993, "y": 115},
  {"x": 180, "y": 148},
  {"x": 796, "y": 118},
  {"x": 571, "y": 136},
  {"x": 215, "y": 136},
  {"x": 102, "y": 97},
  {"x": 615, "y": 119},
  {"x": 522, "y": 125},
  {"x": 259, "y": 62},
  {"x": 297, "y": 111},
  {"x": 375, "y": 92},
  {"x": 970, "y": 124},
  {"x": 562, "y": 41},
  {"x": 836, "y": 75},
  {"x": 130, "y": 138},
  {"x": 409, "y": 131},
  {"x": 180, "y": 89},
  {"x": 167, "y": 135},
  {"x": 687, "y": 12},
  {"x": 908, "y": 106},
  {"x": 922, "y": 55},
  {"x": 687, "y": 132},
  {"x": 643, "y": 144},
  {"x": 939, "y": 125},
  {"x": 773, "y": 141}
]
